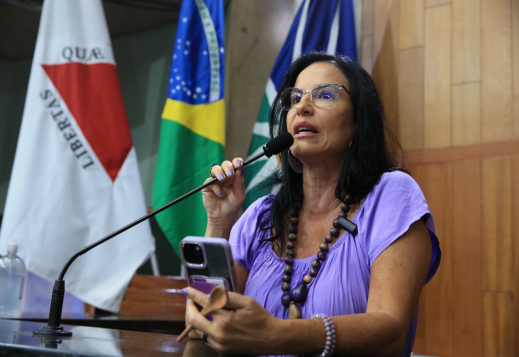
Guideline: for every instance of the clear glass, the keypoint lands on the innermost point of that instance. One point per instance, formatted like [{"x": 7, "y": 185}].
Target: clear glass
[
  {"x": 12, "y": 284},
  {"x": 324, "y": 95}
]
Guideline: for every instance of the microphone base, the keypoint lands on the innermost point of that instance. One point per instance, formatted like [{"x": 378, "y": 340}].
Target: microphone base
[{"x": 52, "y": 331}]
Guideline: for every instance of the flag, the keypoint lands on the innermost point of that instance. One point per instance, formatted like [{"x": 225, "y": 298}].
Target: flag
[
  {"x": 75, "y": 177},
  {"x": 192, "y": 134},
  {"x": 318, "y": 25}
]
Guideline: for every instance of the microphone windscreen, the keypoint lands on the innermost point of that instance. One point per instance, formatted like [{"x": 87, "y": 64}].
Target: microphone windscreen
[{"x": 278, "y": 144}]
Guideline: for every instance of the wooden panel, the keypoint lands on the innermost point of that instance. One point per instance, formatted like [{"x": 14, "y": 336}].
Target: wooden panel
[
  {"x": 429, "y": 3},
  {"x": 385, "y": 25},
  {"x": 158, "y": 282},
  {"x": 366, "y": 56},
  {"x": 173, "y": 310},
  {"x": 515, "y": 230},
  {"x": 367, "y": 17},
  {"x": 466, "y": 114},
  {"x": 254, "y": 37},
  {"x": 157, "y": 295},
  {"x": 381, "y": 14},
  {"x": 437, "y": 296},
  {"x": 437, "y": 80},
  {"x": 498, "y": 316},
  {"x": 410, "y": 23},
  {"x": 470, "y": 152},
  {"x": 515, "y": 49},
  {"x": 410, "y": 98},
  {"x": 466, "y": 41},
  {"x": 497, "y": 225},
  {"x": 385, "y": 51},
  {"x": 466, "y": 244},
  {"x": 496, "y": 71}
]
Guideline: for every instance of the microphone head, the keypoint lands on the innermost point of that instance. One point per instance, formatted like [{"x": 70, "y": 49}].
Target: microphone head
[{"x": 278, "y": 144}]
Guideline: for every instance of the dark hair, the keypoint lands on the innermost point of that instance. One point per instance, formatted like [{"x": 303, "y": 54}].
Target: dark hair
[{"x": 365, "y": 161}]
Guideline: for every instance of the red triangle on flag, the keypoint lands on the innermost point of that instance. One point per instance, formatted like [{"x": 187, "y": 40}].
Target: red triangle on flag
[{"x": 93, "y": 96}]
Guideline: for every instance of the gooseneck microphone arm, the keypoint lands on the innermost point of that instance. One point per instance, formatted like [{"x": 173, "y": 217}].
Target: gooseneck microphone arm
[{"x": 273, "y": 147}]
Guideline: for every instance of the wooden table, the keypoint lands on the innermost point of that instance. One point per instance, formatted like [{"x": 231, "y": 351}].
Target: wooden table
[
  {"x": 172, "y": 324},
  {"x": 16, "y": 340}
]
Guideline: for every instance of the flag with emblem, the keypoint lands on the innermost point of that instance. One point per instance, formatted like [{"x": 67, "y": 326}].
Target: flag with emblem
[
  {"x": 318, "y": 26},
  {"x": 192, "y": 134},
  {"x": 75, "y": 177}
]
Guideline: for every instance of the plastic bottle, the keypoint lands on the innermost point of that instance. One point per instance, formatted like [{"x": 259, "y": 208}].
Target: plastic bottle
[{"x": 12, "y": 283}]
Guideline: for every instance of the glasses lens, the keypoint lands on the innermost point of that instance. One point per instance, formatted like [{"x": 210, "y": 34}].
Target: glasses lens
[
  {"x": 290, "y": 98},
  {"x": 325, "y": 96}
]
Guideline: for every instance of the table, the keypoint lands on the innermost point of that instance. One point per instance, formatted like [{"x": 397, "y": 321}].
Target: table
[
  {"x": 173, "y": 325},
  {"x": 16, "y": 340}
]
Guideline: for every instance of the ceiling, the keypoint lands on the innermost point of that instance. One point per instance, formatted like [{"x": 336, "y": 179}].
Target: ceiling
[{"x": 19, "y": 20}]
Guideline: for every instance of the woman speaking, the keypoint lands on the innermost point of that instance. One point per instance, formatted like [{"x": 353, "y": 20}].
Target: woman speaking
[{"x": 305, "y": 285}]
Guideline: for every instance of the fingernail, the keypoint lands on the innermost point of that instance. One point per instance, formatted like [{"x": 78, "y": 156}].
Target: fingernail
[
  {"x": 187, "y": 301},
  {"x": 220, "y": 193},
  {"x": 241, "y": 172},
  {"x": 238, "y": 164},
  {"x": 185, "y": 291},
  {"x": 221, "y": 176},
  {"x": 208, "y": 295},
  {"x": 230, "y": 173}
]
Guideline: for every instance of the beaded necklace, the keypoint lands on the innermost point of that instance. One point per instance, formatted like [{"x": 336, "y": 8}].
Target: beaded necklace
[{"x": 289, "y": 298}]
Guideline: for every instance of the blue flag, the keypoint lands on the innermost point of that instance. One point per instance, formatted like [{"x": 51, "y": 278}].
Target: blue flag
[{"x": 319, "y": 25}]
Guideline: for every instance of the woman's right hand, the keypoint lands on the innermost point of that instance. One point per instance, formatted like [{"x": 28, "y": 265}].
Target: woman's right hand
[{"x": 223, "y": 199}]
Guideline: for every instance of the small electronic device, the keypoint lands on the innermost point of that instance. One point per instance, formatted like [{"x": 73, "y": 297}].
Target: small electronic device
[{"x": 208, "y": 262}]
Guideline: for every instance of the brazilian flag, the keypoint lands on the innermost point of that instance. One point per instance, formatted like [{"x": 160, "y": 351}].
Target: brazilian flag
[{"x": 192, "y": 133}]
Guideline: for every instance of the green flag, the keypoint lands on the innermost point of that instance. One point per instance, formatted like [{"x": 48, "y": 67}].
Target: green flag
[{"x": 192, "y": 133}]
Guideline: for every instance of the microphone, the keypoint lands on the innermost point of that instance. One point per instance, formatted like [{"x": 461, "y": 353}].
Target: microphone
[{"x": 53, "y": 329}]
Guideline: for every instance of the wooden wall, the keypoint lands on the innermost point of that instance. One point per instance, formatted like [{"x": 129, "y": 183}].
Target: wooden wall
[{"x": 448, "y": 72}]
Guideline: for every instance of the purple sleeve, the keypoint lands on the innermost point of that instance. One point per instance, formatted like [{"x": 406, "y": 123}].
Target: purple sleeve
[
  {"x": 395, "y": 203},
  {"x": 246, "y": 233}
]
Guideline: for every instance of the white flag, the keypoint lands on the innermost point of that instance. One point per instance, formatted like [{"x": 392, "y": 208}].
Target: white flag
[{"x": 75, "y": 177}]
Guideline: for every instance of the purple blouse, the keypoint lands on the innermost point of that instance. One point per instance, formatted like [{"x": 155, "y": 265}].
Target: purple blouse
[{"x": 342, "y": 285}]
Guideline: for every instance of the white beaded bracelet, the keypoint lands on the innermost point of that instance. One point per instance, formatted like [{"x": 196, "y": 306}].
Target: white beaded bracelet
[{"x": 329, "y": 347}]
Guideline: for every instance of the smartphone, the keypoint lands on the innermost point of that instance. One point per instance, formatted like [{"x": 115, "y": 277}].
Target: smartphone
[{"x": 208, "y": 262}]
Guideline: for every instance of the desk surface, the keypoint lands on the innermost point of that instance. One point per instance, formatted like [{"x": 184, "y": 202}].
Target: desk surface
[
  {"x": 16, "y": 340},
  {"x": 144, "y": 323}
]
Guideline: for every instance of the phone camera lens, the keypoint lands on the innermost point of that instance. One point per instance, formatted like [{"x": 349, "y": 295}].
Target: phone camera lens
[{"x": 193, "y": 253}]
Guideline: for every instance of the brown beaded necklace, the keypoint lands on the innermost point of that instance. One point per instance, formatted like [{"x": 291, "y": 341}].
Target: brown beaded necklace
[{"x": 298, "y": 295}]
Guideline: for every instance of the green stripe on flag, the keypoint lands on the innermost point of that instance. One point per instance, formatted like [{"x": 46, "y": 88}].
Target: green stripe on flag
[{"x": 183, "y": 164}]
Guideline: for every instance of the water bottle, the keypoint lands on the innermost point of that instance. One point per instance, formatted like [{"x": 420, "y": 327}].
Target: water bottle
[{"x": 12, "y": 283}]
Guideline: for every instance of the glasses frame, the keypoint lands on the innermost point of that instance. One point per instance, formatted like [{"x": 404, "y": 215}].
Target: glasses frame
[{"x": 310, "y": 92}]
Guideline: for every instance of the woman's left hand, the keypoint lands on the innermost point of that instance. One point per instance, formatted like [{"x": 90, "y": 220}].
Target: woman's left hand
[{"x": 244, "y": 325}]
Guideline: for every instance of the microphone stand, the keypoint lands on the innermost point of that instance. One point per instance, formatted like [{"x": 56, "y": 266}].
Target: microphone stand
[{"x": 53, "y": 329}]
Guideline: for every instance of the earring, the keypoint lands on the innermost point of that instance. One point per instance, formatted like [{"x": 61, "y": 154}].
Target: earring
[{"x": 295, "y": 163}]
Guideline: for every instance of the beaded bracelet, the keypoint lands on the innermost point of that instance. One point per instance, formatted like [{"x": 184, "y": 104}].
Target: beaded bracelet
[{"x": 329, "y": 347}]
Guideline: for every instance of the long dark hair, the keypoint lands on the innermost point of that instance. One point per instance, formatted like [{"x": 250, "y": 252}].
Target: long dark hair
[{"x": 366, "y": 160}]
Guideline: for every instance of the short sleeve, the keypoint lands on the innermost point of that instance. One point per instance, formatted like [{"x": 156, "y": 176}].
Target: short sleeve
[
  {"x": 246, "y": 232},
  {"x": 393, "y": 205}
]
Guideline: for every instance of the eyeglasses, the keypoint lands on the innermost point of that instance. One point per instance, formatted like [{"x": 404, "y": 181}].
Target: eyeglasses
[{"x": 324, "y": 95}]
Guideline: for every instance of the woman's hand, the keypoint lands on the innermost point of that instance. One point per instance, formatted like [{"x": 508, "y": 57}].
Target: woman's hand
[
  {"x": 223, "y": 199},
  {"x": 243, "y": 325}
]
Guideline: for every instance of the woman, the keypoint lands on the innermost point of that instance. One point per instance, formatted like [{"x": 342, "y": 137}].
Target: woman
[{"x": 339, "y": 165}]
